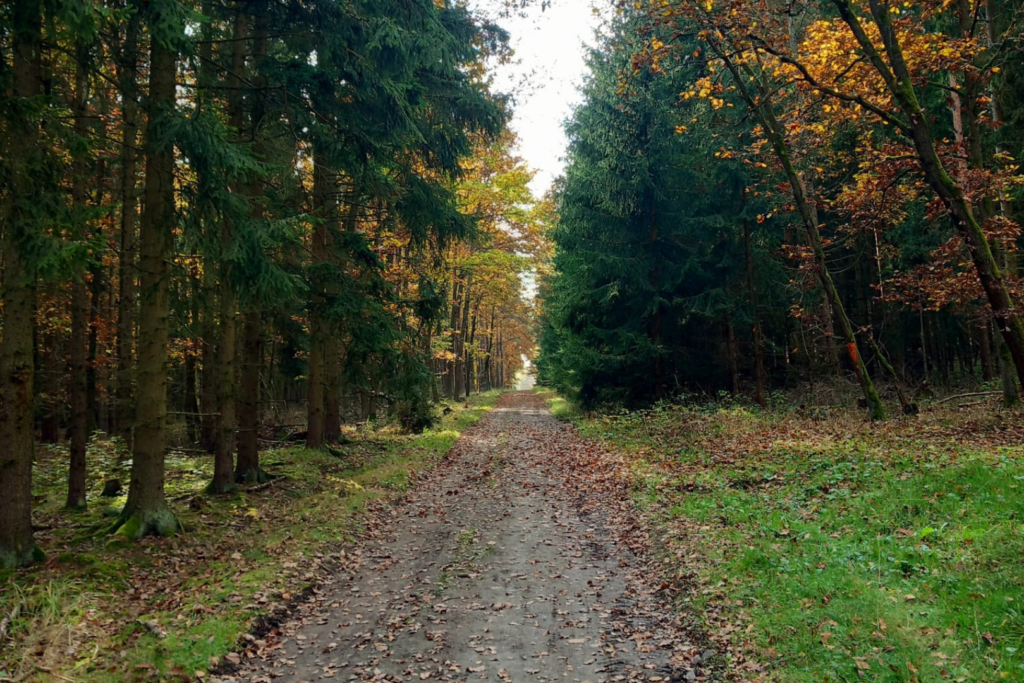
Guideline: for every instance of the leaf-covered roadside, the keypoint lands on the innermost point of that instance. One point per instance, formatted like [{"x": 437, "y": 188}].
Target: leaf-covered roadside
[
  {"x": 173, "y": 609},
  {"x": 818, "y": 547}
]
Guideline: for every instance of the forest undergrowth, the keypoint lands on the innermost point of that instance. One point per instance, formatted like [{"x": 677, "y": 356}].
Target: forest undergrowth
[
  {"x": 818, "y": 546},
  {"x": 179, "y": 608}
]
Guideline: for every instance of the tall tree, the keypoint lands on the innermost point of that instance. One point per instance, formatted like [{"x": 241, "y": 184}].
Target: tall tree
[
  {"x": 24, "y": 166},
  {"x": 146, "y": 510},
  {"x": 79, "y": 297},
  {"x": 127, "y": 75}
]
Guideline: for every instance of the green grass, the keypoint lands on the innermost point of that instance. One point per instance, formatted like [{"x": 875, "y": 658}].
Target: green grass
[
  {"x": 101, "y": 611},
  {"x": 560, "y": 407},
  {"x": 887, "y": 554}
]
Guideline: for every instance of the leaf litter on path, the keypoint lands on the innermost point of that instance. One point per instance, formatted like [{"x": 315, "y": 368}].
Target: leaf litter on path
[{"x": 519, "y": 558}]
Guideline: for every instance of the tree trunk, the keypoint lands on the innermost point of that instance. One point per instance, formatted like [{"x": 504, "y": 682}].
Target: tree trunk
[
  {"x": 97, "y": 286},
  {"x": 428, "y": 350},
  {"x": 127, "y": 274},
  {"x": 17, "y": 545},
  {"x": 499, "y": 366},
  {"x": 192, "y": 408},
  {"x": 247, "y": 464},
  {"x": 456, "y": 310},
  {"x": 223, "y": 463},
  {"x": 94, "y": 308},
  {"x": 317, "y": 332},
  {"x": 984, "y": 350},
  {"x": 332, "y": 394},
  {"x": 371, "y": 404},
  {"x": 208, "y": 326},
  {"x": 470, "y": 375},
  {"x": 759, "y": 372},
  {"x": 1007, "y": 378},
  {"x": 247, "y": 467},
  {"x": 734, "y": 371},
  {"x": 227, "y": 423},
  {"x": 654, "y": 324},
  {"x": 460, "y": 339},
  {"x": 208, "y": 355},
  {"x": 146, "y": 511},
  {"x": 79, "y": 314}
]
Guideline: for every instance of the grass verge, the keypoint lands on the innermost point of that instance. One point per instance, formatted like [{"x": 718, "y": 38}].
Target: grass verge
[
  {"x": 102, "y": 611},
  {"x": 830, "y": 549}
]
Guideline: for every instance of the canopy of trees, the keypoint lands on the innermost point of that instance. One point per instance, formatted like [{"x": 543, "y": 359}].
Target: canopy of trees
[
  {"x": 211, "y": 208},
  {"x": 761, "y": 193}
]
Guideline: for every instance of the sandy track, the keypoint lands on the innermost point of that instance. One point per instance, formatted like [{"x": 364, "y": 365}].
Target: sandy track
[{"x": 502, "y": 566}]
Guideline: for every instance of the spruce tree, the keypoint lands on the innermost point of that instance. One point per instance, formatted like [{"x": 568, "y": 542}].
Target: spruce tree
[
  {"x": 23, "y": 181},
  {"x": 146, "y": 510}
]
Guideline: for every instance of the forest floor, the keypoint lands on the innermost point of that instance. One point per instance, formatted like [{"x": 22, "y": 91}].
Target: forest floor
[
  {"x": 816, "y": 546},
  {"x": 518, "y": 559},
  {"x": 178, "y": 608},
  {"x": 716, "y": 542}
]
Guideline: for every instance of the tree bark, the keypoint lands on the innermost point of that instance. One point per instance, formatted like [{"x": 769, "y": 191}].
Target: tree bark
[
  {"x": 435, "y": 393},
  {"x": 127, "y": 273},
  {"x": 94, "y": 310},
  {"x": 146, "y": 511},
  {"x": 224, "y": 452},
  {"x": 17, "y": 545},
  {"x": 320, "y": 255},
  {"x": 192, "y": 408},
  {"x": 759, "y": 373},
  {"x": 227, "y": 422},
  {"x": 332, "y": 393},
  {"x": 984, "y": 350},
  {"x": 470, "y": 359},
  {"x": 247, "y": 464},
  {"x": 489, "y": 351},
  {"x": 456, "y": 311},
  {"x": 734, "y": 370},
  {"x": 332, "y": 348},
  {"x": 79, "y": 314},
  {"x": 459, "y": 340},
  {"x": 208, "y": 326},
  {"x": 208, "y": 359}
]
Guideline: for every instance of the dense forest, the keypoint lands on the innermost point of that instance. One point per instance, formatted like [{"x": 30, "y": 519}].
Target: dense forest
[
  {"x": 763, "y": 195},
  {"x": 219, "y": 218},
  {"x": 270, "y": 271}
]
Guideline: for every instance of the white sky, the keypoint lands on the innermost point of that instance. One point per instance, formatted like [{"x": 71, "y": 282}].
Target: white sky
[{"x": 546, "y": 74}]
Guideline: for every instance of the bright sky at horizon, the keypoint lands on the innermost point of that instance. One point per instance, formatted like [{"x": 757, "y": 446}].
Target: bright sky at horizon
[{"x": 548, "y": 68}]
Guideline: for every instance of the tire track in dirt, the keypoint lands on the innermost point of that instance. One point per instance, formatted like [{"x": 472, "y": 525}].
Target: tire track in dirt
[{"x": 512, "y": 561}]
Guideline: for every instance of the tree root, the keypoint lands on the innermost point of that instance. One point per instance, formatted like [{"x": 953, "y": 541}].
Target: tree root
[{"x": 133, "y": 525}]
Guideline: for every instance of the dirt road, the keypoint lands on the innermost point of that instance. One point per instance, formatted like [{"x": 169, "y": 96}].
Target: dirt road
[{"x": 506, "y": 564}]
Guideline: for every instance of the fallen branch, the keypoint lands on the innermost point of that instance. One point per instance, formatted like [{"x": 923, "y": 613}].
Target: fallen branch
[
  {"x": 261, "y": 487},
  {"x": 972, "y": 395}
]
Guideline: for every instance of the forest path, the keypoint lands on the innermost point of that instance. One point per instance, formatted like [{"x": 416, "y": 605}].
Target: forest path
[{"x": 501, "y": 566}]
